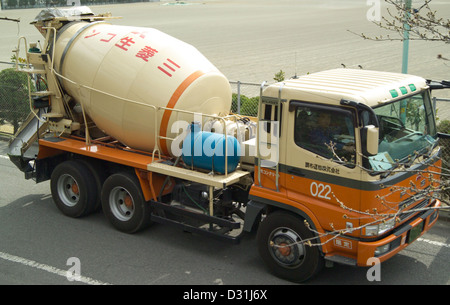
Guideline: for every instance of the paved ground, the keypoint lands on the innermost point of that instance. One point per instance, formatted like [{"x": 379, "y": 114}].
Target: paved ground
[{"x": 252, "y": 40}]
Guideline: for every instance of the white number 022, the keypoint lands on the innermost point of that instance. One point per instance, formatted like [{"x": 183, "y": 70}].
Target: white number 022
[{"x": 320, "y": 190}]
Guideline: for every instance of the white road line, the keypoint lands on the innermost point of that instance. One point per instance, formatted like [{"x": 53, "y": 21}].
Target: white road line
[
  {"x": 4, "y": 157},
  {"x": 433, "y": 242},
  {"x": 50, "y": 269}
]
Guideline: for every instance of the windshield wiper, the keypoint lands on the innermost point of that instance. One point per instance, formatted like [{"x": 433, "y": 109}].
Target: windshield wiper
[
  {"x": 424, "y": 152},
  {"x": 389, "y": 171}
]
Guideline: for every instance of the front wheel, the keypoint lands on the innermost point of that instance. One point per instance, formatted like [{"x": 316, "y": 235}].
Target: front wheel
[
  {"x": 123, "y": 203},
  {"x": 280, "y": 244}
]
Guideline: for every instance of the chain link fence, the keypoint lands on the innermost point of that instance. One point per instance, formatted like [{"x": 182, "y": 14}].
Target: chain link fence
[
  {"x": 14, "y": 102},
  {"x": 442, "y": 107},
  {"x": 245, "y": 99}
]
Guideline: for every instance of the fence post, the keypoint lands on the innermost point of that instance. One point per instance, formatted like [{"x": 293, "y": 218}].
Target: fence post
[
  {"x": 239, "y": 97},
  {"x": 434, "y": 100}
]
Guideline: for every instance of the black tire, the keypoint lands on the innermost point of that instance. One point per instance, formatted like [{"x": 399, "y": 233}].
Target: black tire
[
  {"x": 73, "y": 189},
  {"x": 99, "y": 176},
  {"x": 123, "y": 203},
  {"x": 297, "y": 262}
]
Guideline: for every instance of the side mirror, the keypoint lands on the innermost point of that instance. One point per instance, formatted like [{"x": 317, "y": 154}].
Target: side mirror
[{"x": 369, "y": 140}]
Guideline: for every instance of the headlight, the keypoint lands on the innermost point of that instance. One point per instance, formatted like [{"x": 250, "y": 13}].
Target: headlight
[
  {"x": 378, "y": 229},
  {"x": 382, "y": 250}
]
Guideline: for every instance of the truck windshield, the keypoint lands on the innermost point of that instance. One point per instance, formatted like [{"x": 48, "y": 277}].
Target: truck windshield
[{"x": 406, "y": 128}]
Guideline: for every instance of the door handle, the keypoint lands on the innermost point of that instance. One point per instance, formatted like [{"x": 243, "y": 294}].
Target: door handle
[{"x": 296, "y": 171}]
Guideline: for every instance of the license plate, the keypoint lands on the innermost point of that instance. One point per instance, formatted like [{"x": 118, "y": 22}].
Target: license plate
[{"x": 415, "y": 232}]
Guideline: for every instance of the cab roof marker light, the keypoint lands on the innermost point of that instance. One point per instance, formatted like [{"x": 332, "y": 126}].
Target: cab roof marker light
[
  {"x": 412, "y": 87},
  {"x": 403, "y": 90},
  {"x": 394, "y": 93}
]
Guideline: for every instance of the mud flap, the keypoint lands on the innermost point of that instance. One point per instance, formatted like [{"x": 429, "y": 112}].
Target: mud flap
[{"x": 253, "y": 215}]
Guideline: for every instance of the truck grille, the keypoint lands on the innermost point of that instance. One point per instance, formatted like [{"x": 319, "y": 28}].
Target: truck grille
[{"x": 421, "y": 204}]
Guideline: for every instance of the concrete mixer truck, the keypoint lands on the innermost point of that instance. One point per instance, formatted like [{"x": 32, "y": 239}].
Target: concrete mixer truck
[{"x": 338, "y": 166}]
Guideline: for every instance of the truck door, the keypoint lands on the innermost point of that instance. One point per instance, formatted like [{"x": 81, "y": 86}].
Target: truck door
[{"x": 321, "y": 171}]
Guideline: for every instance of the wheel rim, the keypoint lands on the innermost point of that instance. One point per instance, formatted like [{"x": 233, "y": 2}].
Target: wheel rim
[
  {"x": 286, "y": 247},
  {"x": 68, "y": 190},
  {"x": 121, "y": 203}
]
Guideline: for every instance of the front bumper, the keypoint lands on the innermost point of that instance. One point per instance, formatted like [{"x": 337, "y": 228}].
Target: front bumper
[{"x": 400, "y": 238}]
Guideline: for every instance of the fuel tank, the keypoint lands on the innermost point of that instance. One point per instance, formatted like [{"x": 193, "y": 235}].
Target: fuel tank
[
  {"x": 126, "y": 73},
  {"x": 210, "y": 151}
]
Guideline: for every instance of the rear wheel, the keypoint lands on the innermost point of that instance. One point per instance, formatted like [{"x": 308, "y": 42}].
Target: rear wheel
[
  {"x": 73, "y": 189},
  {"x": 280, "y": 244},
  {"x": 99, "y": 176},
  {"x": 123, "y": 203}
]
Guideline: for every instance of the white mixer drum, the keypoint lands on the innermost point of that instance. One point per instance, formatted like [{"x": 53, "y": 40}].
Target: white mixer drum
[{"x": 138, "y": 64}]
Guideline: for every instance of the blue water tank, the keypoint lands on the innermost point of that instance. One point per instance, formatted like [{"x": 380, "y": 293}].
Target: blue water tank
[{"x": 206, "y": 150}]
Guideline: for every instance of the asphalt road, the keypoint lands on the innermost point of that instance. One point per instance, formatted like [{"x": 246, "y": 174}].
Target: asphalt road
[{"x": 38, "y": 245}]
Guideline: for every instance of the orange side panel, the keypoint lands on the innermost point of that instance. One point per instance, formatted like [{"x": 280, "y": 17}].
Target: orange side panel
[
  {"x": 130, "y": 158},
  {"x": 151, "y": 183}
]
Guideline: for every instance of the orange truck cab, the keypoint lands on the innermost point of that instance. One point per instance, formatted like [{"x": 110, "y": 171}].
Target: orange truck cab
[{"x": 351, "y": 171}]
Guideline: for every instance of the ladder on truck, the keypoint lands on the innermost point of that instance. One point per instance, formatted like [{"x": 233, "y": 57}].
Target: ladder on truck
[
  {"x": 268, "y": 133},
  {"x": 37, "y": 67}
]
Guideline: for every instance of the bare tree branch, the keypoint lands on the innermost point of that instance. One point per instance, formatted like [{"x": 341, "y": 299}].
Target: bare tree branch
[{"x": 423, "y": 23}]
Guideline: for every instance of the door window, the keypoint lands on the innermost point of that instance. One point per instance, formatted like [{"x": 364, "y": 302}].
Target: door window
[{"x": 326, "y": 131}]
